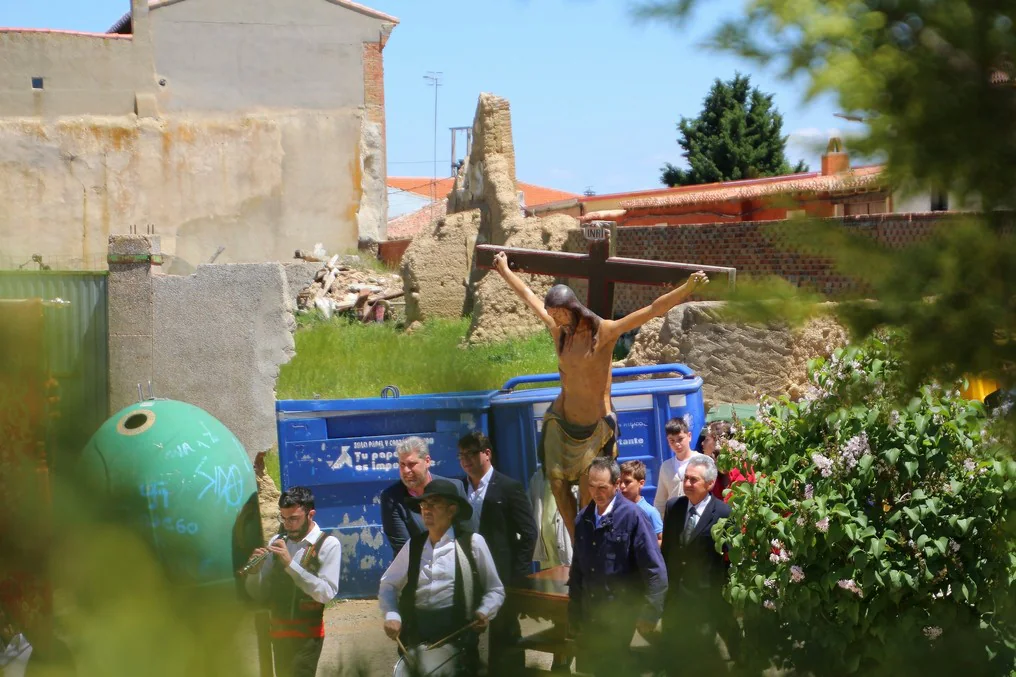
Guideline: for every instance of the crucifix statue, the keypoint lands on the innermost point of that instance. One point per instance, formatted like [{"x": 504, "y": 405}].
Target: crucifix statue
[{"x": 581, "y": 423}]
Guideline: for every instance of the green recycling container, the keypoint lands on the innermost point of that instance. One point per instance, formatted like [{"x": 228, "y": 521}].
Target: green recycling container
[{"x": 179, "y": 478}]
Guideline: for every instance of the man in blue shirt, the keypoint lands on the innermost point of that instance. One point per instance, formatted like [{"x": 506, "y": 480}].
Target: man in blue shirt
[
  {"x": 633, "y": 478},
  {"x": 618, "y": 579}
]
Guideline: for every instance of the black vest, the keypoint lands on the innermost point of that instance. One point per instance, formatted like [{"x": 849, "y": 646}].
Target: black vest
[
  {"x": 407, "y": 599},
  {"x": 294, "y": 612}
]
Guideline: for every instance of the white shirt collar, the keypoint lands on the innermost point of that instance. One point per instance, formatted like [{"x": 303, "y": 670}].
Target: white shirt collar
[
  {"x": 484, "y": 481},
  {"x": 312, "y": 535},
  {"x": 701, "y": 505},
  {"x": 597, "y": 517},
  {"x": 446, "y": 538}
]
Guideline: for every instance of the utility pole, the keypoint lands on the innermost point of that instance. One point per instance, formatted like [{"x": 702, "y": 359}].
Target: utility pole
[{"x": 434, "y": 80}]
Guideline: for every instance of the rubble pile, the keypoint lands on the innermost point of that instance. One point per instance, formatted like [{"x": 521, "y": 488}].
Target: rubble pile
[{"x": 339, "y": 287}]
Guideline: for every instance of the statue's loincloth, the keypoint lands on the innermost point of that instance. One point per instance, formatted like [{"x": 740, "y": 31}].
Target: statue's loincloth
[{"x": 566, "y": 449}]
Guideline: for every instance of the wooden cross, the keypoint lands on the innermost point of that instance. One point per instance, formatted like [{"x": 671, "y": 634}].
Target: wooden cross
[{"x": 598, "y": 266}]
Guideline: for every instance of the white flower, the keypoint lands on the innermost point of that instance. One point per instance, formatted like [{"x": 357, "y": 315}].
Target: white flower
[
  {"x": 770, "y": 583},
  {"x": 850, "y": 585},
  {"x": 969, "y": 465},
  {"x": 954, "y": 546},
  {"x": 809, "y": 491},
  {"x": 822, "y": 525},
  {"x": 774, "y": 558},
  {"x": 785, "y": 555},
  {"x": 824, "y": 464},
  {"x": 736, "y": 446},
  {"x": 894, "y": 418},
  {"x": 769, "y": 605},
  {"x": 800, "y": 521},
  {"x": 851, "y": 452},
  {"x": 933, "y": 632},
  {"x": 796, "y": 574}
]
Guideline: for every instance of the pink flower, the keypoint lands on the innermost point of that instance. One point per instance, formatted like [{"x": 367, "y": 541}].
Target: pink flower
[
  {"x": 809, "y": 491},
  {"x": 822, "y": 525},
  {"x": 850, "y": 585},
  {"x": 796, "y": 574}
]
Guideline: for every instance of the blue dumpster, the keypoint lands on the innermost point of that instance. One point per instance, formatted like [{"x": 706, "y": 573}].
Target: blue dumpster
[
  {"x": 344, "y": 450},
  {"x": 643, "y": 408}
]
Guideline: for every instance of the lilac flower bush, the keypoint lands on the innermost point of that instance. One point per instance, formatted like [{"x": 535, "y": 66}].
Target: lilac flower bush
[{"x": 879, "y": 529}]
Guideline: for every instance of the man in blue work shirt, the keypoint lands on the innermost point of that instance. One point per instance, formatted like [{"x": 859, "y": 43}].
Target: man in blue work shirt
[{"x": 618, "y": 579}]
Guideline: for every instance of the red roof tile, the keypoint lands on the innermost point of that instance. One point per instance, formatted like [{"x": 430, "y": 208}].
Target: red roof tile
[
  {"x": 859, "y": 178},
  {"x": 408, "y": 225},
  {"x": 534, "y": 195}
]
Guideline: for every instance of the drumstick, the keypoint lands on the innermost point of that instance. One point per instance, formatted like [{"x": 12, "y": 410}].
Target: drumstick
[
  {"x": 405, "y": 654},
  {"x": 452, "y": 636}
]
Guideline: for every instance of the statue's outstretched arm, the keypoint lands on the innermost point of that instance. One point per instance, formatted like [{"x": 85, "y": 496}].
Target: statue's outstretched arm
[
  {"x": 659, "y": 307},
  {"x": 523, "y": 291}
]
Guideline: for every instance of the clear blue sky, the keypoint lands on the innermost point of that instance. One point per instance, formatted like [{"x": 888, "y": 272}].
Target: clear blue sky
[{"x": 595, "y": 95}]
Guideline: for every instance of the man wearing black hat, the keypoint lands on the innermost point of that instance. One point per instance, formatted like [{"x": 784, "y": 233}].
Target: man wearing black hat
[{"x": 442, "y": 580}]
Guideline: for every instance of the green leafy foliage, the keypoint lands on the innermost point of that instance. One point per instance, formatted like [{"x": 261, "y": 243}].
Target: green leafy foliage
[
  {"x": 738, "y": 135},
  {"x": 933, "y": 83},
  {"x": 878, "y": 536}
]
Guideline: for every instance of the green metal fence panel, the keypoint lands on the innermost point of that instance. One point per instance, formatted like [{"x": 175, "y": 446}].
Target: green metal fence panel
[{"x": 77, "y": 338}]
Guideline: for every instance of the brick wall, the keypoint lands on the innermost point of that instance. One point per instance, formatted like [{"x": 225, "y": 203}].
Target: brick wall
[
  {"x": 753, "y": 252},
  {"x": 374, "y": 81}
]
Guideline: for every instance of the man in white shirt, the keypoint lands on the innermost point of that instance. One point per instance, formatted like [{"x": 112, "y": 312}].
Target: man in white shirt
[
  {"x": 298, "y": 577},
  {"x": 671, "y": 477},
  {"x": 442, "y": 580}
]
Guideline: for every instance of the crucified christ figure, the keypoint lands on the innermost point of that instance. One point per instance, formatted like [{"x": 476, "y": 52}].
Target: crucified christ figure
[{"x": 581, "y": 423}]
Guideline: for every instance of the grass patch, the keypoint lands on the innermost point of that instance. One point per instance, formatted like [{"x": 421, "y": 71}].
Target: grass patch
[
  {"x": 272, "y": 466},
  {"x": 341, "y": 359}
]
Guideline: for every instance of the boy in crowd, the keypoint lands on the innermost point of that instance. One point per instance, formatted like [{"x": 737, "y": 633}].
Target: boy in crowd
[
  {"x": 633, "y": 478},
  {"x": 669, "y": 483}
]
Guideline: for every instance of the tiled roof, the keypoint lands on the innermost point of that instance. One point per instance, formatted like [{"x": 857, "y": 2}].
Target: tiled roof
[
  {"x": 535, "y": 195},
  {"x": 60, "y": 31},
  {"x": 408, "y": 225},
  {"x": 859, "y": 178},
  {"x": 123, "y": 24}
]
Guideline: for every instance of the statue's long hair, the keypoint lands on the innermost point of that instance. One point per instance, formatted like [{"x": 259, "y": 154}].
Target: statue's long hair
[{"x": 561, "y": 296}]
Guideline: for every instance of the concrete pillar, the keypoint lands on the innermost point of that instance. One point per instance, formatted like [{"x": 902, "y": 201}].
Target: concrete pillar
[{"x": 132, "y": 260}]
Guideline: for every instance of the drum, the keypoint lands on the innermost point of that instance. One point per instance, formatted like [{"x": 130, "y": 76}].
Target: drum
[{"x": 441, "y": 661}]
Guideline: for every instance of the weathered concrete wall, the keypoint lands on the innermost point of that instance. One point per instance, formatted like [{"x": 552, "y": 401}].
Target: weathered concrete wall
[
  {"x": 93, "y": 74},
  {"x": 232, "y": 55},
  {"x": 215, "y": 339},
  {"x": 436, "y": 267},
  {"x": 487, "y": 179},
  {"x": 498, "y": 313},
  {"x": 737, "y": 362},
  {"x": 83, "y": 73},
  {"x": 258, "y": 185},
  {"x": 220, "y": 337},
  {"x": 253, "y": 125}
]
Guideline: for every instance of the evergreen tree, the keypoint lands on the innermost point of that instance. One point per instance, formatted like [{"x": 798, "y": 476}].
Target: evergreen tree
[{"x": 738, "y": 135}]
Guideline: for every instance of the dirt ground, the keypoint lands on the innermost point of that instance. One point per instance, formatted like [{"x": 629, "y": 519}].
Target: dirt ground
[{"x": 355, "y": 643}]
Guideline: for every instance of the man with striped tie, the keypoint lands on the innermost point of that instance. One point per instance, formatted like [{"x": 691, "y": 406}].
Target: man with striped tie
[{"x": 695, "y": 611}]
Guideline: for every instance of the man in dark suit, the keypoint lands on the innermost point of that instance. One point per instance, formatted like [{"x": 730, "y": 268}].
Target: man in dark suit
[
  {"x": 398, "y": 522},
  {"x": 503, "y": 516},
  {"x": 695, "y": 611}
]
